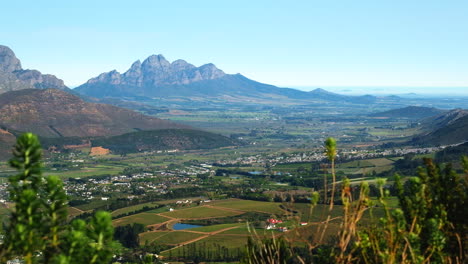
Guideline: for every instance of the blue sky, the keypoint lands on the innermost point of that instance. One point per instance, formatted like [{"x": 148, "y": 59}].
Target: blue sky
[{"x": 285, "y": 43}]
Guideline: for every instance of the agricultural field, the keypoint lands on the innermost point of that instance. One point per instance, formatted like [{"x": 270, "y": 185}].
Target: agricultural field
[
  {"x": 141, "y": 218},
  {"x": 200, "y": 212},
  {"x": 73, "y": 211},
  {"x": 248, "y": 205},
  {"x": 96, "y": 170},
  {"x": 248, "y": 231},
  {"x": 152, "y": 236},
  {"x": 174, "y": 238},
  {"x": 212, "y": 245},
  {"x": 366, "y": 166},
  {"x": 133, "y": 208},
  {"x": 4, "y": 214}
]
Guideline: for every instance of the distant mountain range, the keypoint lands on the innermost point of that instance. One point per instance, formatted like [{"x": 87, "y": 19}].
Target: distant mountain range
[
  {"x": 156, "y": 77},
  {"x": 13, "y": 77}
]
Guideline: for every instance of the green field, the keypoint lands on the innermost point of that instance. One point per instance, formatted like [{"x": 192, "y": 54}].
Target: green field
[
  {"x": 97, "y": 170},
  {"x": 244, "y": 230},
  {"x": 169, "y": 238},
  {"x": 319, "y": 213},
  {"x": 141, "y": 218},
  {"x": 72, "y": 211},
  {"x": 211, "y": 243},
  {"x": 247, "y": 205},
  {"x": 152, "y": 236},
  {"x": 133, "y": 208},
  {"x": 93, "y": 204},
  {"x": 199, "y": 212},
  {"x": 366, "y": 166},
  {"x": 4, "y": 215}
]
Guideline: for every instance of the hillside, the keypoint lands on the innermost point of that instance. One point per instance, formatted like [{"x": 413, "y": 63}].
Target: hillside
[
  {"x": 7, "y": 140},
  {"x": 444, "y": 129},
  {"x": 452, "y": 154},
  {"x": 13, "y": 77},
  {"x": 166, "y": 139},
  {"x": 444, "y": 119},
  {"x": 56, "y": 113},
  {"x": 410, "y": 112}
]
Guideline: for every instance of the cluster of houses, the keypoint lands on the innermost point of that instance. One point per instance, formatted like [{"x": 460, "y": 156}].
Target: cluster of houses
[
  {"x": 319, "y": 155},
  {"x": 103, "y": 188},
  {"x": 272, "y": 222}
]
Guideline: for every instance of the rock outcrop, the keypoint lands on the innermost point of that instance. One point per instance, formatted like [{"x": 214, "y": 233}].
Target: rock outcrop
[
  {"x": 157, "y": 71},
  {"x": 13, "y": 77}
]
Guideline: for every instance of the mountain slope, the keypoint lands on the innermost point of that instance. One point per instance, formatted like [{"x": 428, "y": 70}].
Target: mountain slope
[
  {"x": 447, "y": 128},
  {"x": 13, "y": 77},
  {"x": 56, "y": 113},
  {"x": 444, "y": 119},
  {"x": 411, "y": 112}
]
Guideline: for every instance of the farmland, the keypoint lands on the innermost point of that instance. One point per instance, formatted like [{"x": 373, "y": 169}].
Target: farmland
[
  {"x": 200, "y": 212},
  {"x": 142, "y": 218},
  {"x": 278, "y": 163}
]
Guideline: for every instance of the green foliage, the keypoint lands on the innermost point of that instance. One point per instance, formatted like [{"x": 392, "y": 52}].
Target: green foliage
[
  {"x": 431, "y": 225},
  {"x": 38, "y": 230},
  {"x": 163, "y": 139},
  {"x": 128, "y": 235},
  {"x": 272, "y": 251},
  {"x": 330, "y": 147},
  {"x": 465, "y": 163}
]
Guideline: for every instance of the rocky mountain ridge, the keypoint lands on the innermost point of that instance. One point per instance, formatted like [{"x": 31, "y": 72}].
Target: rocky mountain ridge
[
  {"x": 13, "y": 77},
  {"x": 156, "y": 77},
  {"x": 156, "y": 70}
]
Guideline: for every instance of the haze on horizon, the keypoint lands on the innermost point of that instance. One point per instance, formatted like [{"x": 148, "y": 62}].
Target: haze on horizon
[{"x": 411, "y": 46}]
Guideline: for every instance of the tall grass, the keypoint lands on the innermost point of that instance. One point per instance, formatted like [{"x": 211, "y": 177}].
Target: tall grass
[{"x": 429, "y": 226}]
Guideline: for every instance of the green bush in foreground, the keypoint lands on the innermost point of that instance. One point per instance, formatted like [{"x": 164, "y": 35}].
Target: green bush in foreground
[{"x": 38, "y": 230}]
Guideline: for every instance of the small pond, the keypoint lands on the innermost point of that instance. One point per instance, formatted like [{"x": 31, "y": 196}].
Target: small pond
[{"x": 180, "y": 226}]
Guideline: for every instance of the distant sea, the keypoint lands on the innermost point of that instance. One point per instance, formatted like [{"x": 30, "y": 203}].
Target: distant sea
[{"x": 400, "y": 91}]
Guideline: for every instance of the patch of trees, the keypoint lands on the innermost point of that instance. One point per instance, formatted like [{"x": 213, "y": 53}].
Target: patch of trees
[
  {"x": 143, "y": 209},
  {"x": 128, "y": 235},
  {"x": 452, "y": 154},
  {"x": 248, "y": 217},
  {"x": 203, "y": 252}
]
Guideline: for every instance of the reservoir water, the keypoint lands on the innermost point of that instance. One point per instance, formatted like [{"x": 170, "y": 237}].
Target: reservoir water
[{"x": 180, "y": 226}]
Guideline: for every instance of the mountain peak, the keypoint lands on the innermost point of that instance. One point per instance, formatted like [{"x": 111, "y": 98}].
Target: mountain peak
[
  {"x": 8, "y": 60},
  {"x": 13, "y": 77},
  {"x": 155, "y": 71},
  {"x": 181, "y": 65},
  {"x": 155, "y": 61},
  {"x": 209, "y": 71},
  {"x": 320, "y": 91},
  {"x": 136, "y": 65}
]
